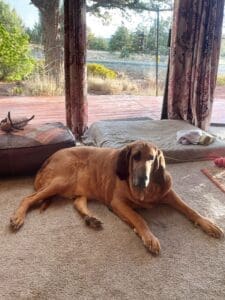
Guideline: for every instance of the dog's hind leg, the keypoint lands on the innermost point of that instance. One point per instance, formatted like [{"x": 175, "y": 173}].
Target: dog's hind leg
[
  {"x": 80, "y": 204},
  {"x": 17, "y": 220},
  {"x": 45, "y": 204}
]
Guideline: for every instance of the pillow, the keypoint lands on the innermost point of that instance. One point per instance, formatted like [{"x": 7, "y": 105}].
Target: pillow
[{"x": 24, "y": 151}]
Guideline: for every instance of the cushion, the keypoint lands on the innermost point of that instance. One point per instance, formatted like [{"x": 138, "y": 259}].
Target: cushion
[
  {"x": 24, "y": 151},
  {"x": 117, "y": 133}
]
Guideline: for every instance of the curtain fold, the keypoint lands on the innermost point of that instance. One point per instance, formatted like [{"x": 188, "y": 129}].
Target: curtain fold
[{"x": 193, "y": 62}]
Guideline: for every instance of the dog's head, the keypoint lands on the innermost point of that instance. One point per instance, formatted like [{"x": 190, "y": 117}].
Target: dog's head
[{"x": 141, "y": 163}]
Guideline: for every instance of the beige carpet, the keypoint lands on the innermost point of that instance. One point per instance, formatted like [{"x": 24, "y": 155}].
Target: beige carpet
[{"x": 54, "y": 256}]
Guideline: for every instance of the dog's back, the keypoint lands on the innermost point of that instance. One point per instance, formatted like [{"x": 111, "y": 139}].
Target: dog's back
[{"x": 81, "y": 168}]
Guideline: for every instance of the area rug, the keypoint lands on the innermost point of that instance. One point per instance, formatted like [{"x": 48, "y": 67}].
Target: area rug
[{"x": 216, "y": 175}]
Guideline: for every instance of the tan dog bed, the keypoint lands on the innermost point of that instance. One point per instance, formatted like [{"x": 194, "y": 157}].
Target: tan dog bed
[{"x": 117, "y": 133}]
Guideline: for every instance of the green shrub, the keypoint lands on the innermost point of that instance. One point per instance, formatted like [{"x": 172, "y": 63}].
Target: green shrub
[
  {"x": 220, "y": 80},
  {"x": 100, "y": 71},
  {"x": 15, "y": 58}
]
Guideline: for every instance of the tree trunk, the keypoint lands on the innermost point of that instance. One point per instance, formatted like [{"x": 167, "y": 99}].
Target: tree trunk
[
  {"x": 50, "y": 21},
  {"x": 75, "y": 65}
]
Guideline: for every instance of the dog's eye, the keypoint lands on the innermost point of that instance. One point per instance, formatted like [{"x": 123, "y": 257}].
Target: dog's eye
[
  {"x": 137, "y": 156},
  {"x": 150, "y": 157}
]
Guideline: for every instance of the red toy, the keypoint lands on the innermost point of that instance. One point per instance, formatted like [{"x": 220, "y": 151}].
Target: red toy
[{"x": 220, "y": 162}]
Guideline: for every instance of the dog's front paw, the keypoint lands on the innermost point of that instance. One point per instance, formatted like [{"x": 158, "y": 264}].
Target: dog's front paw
[
  {"x": 152, "y": 244},
  {"x": 93, "y": 222},
  {"x": 209, "y": 227},
  {"x": 16, "y": 221}
]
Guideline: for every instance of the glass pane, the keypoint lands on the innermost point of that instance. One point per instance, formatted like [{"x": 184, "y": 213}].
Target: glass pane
[
  {"x": 128, "y": 49},
  {"x": 122, "y": 60}
]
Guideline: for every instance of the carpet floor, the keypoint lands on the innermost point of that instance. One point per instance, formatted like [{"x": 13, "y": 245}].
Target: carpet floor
[{"x": 55, "y": 256}]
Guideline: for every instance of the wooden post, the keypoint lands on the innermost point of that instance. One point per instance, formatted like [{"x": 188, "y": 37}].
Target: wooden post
[{"x": 75, "y": 66}]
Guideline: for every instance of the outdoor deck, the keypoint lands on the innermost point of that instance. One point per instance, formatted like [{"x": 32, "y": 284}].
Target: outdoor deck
[{"x": 52, "y": 109}]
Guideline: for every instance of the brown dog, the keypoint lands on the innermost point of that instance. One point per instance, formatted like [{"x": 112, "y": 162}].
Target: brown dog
[{"x": 123, "y": 179}]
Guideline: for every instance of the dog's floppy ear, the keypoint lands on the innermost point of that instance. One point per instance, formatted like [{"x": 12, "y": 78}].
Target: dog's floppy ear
[
  {"x": 160, "y": 160},
  {"x": 122, "y": 164},
  {"x": 158, "y": 172}
]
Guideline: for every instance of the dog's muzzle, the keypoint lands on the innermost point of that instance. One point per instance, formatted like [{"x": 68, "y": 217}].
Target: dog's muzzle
[{"x": 141, "y": 181}]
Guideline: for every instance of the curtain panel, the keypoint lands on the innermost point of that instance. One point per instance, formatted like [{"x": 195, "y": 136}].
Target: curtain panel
[{"x": 193, "y": 62}]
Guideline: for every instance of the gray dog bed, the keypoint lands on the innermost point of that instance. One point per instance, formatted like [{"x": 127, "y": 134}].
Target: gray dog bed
[{"x": 117, "y": 133}]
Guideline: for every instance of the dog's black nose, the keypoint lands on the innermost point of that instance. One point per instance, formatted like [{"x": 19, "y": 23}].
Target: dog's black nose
[{"x": 142, "y": 182}]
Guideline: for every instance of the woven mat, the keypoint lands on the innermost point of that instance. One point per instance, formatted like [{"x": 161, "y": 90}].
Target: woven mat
[{"x": 216, "y": 175}]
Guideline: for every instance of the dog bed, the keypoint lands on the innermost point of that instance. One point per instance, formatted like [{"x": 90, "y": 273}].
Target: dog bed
[
  {"x": 23, "y": 152},
  {"x": 117, "y": 133}
]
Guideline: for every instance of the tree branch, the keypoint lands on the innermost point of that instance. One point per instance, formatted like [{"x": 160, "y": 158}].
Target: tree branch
[{"x": 129, "y": 4}]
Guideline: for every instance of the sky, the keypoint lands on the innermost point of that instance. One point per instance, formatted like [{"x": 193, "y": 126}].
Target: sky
[
  {"x": 27, "y": 11},
  {"x": 29, "y": 14}
]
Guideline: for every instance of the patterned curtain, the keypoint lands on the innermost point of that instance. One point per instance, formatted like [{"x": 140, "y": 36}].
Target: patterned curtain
[{"x": 193, "y": 62}]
